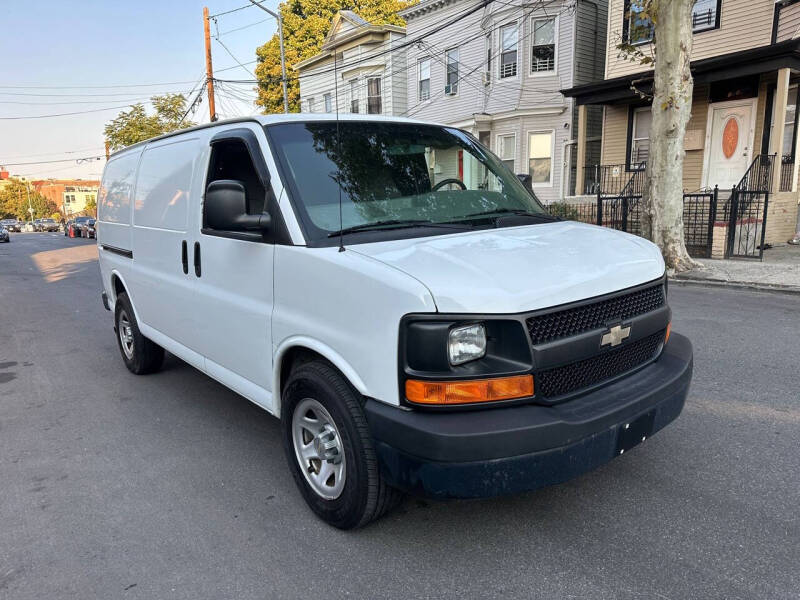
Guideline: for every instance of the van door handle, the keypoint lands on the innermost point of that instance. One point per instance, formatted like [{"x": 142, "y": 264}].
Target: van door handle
[
  {"x": 185, "y": 257},
  {"x": 197, "y": 258}
]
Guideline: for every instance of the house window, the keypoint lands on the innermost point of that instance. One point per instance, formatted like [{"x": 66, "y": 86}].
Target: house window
[
  {"x": 354, "y": 95},
  {"x": 640, "y": 137},
  {"x": 451, "y": 58},
  {"x": 705, "y": 15},
  {"x": 506, "y": 150},
  {"x": 790, "y": 119},
  {"x": 328, "y": 104},
  {"x": 638, "y": 26},
  {"x": 543, "y": 45},
  {"x": 374, "y": 95},
  {"x": 540, "y": 157},
  {"x": 508, "y": 51},
  {"x": 489, "y": 52},
  {"x": 311, "y": 105},
  {"x": 424, "y": 79}
]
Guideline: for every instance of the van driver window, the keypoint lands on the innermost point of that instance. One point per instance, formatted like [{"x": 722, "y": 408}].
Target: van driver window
[{"x": 231, "y": 160}]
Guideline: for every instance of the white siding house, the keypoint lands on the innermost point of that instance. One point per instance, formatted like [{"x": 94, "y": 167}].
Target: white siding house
[
  {"x": 498, "y": 71},
  {"x": 369, "y": 73}
]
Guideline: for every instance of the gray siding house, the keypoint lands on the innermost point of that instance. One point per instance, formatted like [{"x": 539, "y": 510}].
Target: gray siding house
[
  {"x": 370, "y": 69},
  {"x": 498, "y": 71}
]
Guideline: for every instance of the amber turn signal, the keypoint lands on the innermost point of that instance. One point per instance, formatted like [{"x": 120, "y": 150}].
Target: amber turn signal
[
  {"x": 669, "y": 329},
  {"x": 467, "y": 392}
]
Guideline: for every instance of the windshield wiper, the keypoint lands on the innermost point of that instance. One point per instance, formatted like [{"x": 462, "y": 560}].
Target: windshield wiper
[
  {"x": 501, "y": 212},
  {"x": 393, "y": 224}
]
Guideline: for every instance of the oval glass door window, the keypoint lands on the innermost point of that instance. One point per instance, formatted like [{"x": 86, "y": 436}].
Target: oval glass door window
[{"x": 730, "y": 137}]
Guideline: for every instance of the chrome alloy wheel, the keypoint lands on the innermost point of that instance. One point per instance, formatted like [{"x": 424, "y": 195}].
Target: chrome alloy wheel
[
  {"x": 318, "y": 448},
  {"x": 125, "y": 334}
]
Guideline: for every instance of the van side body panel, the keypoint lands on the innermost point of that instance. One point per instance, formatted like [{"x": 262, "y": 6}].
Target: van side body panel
[
  {"x": 162, "y": 199},
  {"x": 350, "y": 304}
]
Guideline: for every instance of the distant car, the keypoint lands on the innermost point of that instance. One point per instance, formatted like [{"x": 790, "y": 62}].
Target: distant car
[
  {"x": 29, "y": 226},
  {"x": 47, "y": 225},
  {"x": 4, "y": 237},
  {"x": 10, "y": 224},
  {"x": 87, "y": 228},
  {"x": 74, "y": 227}
]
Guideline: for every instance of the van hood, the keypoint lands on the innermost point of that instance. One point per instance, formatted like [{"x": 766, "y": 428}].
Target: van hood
[{"x": 518, "y": 269}]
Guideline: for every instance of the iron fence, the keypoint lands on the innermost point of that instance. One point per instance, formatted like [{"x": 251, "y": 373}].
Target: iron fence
[
  {"x": 625, "y": 213},
  {"x": 787, "y": 170},
  {"x": 610, "y": 180}
]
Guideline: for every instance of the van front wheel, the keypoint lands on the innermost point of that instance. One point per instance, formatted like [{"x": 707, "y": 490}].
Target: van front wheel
[
  {"x": 140, "y": 355},
  {"x": 329, "y": 448}
]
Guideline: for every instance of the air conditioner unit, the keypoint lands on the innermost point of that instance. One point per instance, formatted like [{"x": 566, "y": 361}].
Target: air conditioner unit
[
  {"x": 486, "y": 77},
  {"x": 450, "y": 90}
]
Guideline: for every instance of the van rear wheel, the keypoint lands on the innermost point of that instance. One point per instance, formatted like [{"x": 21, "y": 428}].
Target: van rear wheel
[
  {"x": 140, "y": 354},
  {"x": 329, "y": 448}
]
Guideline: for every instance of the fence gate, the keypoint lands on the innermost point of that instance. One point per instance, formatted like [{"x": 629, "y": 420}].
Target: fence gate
[
  {"x": 747, "y": 221},
  {"x": 699, "y": 215}
]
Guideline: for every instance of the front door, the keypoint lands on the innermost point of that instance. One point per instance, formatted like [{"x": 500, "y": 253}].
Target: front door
[
  {"x": 233, "y": 298},
  {"x": 729, "y": 142}
]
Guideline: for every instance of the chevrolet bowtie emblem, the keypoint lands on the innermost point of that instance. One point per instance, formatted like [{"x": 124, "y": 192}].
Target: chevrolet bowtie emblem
[{"x": 615, "y": 335}]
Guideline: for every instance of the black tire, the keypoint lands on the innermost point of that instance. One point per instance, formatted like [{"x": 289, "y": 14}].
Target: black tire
[
  {"x": 144, "y": 356},
  {"x": 365, "y": 496}
]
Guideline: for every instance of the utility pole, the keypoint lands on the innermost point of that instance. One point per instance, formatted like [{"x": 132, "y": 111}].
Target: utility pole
[
  {"x": 277, "y": 15},
  {"x": 212, "y": 111},
  {"x": 30, "y": 208}
]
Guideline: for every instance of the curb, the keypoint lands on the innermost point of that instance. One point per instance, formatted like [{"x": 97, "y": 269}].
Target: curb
[{"x": 737, "y": 285}]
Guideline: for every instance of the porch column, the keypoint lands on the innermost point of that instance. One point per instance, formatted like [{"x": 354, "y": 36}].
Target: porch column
[
  {"x": 779, "y": 116},
  {"x": 581, "y": 155}
]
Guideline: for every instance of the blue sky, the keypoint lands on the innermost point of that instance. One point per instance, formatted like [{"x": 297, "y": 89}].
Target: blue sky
[{"x": 108, "y": 43}]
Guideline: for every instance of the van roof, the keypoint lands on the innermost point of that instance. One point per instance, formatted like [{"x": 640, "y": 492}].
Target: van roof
[{"x": 279, "y": 118}]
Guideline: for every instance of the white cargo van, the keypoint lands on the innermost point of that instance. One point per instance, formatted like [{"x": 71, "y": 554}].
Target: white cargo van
[{"x": 393, "y": 294}]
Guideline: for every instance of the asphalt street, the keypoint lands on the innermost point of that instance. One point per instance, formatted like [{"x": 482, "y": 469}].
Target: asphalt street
[{"x": 171, "y": 486}]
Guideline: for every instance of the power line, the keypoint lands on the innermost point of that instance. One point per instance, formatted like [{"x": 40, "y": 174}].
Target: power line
[
  {"x": 154, "y": 93},
  {"x": 245, "y": 26},
  {"x": 78, "y": 161},
  {"x": 66, "y": 114},
  {"x": 89, "y": 87},
  {"x": 221, "y": 43},
  {"x": 227, "y": 12}
]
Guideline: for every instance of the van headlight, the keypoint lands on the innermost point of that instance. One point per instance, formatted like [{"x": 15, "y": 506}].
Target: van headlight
[{"x": 466, "y": 343}]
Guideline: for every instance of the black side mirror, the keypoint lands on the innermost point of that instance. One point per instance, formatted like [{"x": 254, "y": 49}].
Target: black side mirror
[{"x": 226, "y": 208}]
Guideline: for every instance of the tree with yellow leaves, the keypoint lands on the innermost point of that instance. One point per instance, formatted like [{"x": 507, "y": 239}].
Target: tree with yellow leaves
[{"x": 305, "y": 25}]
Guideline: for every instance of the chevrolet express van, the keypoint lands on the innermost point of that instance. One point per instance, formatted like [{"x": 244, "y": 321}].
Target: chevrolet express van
[{"x": 392, "y": 292}]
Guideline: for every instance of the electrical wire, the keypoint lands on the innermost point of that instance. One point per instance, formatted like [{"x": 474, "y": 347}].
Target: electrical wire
[
  {"x": 227, "y": 12},
  {"x": 90, "y": 87}
]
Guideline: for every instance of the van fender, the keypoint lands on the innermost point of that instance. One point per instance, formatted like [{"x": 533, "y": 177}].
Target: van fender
[
  {"x": 309, "y": 343},
  {"x": 118, "y": 275}
]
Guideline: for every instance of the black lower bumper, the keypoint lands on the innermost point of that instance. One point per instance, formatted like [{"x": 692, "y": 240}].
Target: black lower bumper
[{"x": 481, "y": 453}]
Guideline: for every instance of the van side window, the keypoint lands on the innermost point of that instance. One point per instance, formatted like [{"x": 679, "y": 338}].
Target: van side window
[{"x": 231, "y": 160}]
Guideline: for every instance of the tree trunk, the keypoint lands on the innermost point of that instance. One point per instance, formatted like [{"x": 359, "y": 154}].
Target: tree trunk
[{"x": 672, "y": 106}]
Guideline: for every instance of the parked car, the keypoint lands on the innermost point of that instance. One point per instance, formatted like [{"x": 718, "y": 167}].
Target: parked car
[
  {"x": 46, "y": 225},
  {"x": 390, "y": 291},
  {"x": 87, "y": 228},
  {"x": 10, "y": 224},
  {"x": 4, "y": 236},
  {"x": 29, "y": 226},
  {"x": 74, "y": 227}
]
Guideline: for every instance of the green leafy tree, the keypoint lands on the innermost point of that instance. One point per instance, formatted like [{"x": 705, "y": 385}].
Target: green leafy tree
[
  {"x": 91, "y": 207},
  {"x": 14, "y": 202},
  {"x": 135, "y": 125},
  {"x": 305, "y": 25}
]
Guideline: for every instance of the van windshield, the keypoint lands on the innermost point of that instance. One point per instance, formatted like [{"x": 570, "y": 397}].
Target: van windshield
[{"x": 394, "y": 176}]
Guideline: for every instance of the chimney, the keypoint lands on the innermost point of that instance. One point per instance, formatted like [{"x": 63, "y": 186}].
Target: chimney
[{"x": 3, "y": 174}]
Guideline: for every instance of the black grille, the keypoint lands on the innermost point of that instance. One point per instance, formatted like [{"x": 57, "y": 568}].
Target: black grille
[
  {"x": 584, "y": 373},
  {"x": 572, "y": 321}
]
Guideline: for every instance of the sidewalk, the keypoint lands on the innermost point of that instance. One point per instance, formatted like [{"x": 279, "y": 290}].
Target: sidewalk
[{"x": 780, "y": 271}]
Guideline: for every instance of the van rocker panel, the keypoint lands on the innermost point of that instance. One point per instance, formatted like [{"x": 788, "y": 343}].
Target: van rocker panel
[{"x": 505, "y": 450}]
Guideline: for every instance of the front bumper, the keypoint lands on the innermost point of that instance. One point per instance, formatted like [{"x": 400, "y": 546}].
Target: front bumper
[{"x": 490, "y": 452}]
